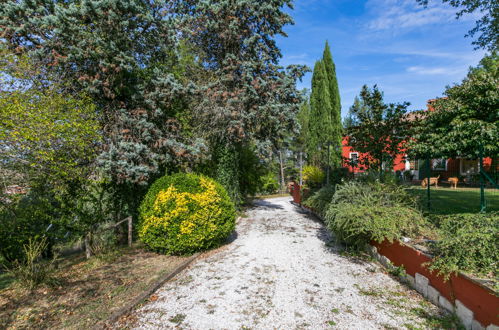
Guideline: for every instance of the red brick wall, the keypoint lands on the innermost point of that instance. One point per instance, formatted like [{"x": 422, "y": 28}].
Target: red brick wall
[{"x": 483, "y": 303}]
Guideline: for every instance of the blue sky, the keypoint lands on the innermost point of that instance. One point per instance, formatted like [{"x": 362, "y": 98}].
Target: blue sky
[{"x": 411, "y": 52}]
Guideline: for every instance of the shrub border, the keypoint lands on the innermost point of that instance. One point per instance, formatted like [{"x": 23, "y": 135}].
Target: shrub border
[{"x": 474, "y": 303}]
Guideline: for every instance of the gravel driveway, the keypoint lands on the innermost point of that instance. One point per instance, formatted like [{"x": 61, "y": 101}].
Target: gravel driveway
[{"x": 280, "y": 273}]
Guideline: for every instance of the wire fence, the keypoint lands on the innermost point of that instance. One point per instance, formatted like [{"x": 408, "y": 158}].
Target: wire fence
[{"x": 456, "y": 185}]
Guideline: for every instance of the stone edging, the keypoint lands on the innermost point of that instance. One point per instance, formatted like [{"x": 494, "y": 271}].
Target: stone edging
[
  {"x": 105, "y": 324},
  {"x": 144, "y": 295},
  {"x": 421, "y": 284}
]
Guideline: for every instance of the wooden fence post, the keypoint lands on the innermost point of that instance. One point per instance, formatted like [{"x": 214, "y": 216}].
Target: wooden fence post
[
  {"x": 88, "y": 250},
  {"x": 130, "y": 231}
]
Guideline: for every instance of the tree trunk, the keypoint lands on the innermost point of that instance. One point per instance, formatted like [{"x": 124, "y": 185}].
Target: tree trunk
[
  {"x": 301, "y": 168},
  {"x": 281, "y": 165}
]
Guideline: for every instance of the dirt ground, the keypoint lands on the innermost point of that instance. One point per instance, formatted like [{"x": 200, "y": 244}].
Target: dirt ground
[{"x": 88, "y": 291}]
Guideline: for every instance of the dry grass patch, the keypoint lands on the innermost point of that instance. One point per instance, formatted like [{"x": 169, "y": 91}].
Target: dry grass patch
[{"x": 89, "y": 291}]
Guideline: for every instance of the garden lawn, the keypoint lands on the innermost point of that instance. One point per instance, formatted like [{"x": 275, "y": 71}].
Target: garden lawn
[
  {"x": 89, "y": 291},
  {"x": 445, "y": 201}
]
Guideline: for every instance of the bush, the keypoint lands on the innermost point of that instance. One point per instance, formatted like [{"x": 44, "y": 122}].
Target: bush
[
  {"x": 360, "y": 212},
  {"x": 320, "y": 200},
  {"x": 185, "y": 213},
  {"x": 23, "y": 217},
  {"x": 33, "y": 270},
  {"x": 313, "y": 175},
  {"x": 269, "y": 184},
  {"x": 469, "y": 243}
]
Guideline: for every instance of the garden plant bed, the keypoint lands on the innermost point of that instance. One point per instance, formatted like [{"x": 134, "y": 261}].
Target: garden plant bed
[
  {"x": 473, "y": 300},
  {"x": 89, "y": 291}
]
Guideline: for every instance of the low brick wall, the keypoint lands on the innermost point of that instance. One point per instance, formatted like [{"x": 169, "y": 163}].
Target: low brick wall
[
  {"x": 476, "y": 305},
  {"x": 294, "y": 189}
]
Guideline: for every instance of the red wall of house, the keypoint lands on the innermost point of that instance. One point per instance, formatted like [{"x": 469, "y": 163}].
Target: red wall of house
[
  {"x": 453, "y": 165},
  {"x": 398, "y": 164}
]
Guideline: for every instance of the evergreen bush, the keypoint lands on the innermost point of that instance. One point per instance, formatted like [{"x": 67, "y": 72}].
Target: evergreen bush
[
  {"x": 23, "y": 217},
  {"x": 361, "y": 212},
  {"x": 268, "y": 184},
  {"x": 185, "y": 213},
  {"x": 468, "y": 242},
  {"x": 320, "y": 200}
]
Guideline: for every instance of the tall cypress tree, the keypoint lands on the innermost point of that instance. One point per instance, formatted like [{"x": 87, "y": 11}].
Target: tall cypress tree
[
  {"x": 319, "y": 123},
  {"x": 335, "y": 131}
]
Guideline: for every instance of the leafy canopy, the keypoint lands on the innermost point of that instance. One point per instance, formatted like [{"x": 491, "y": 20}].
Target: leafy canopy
[
  {"x": 47, "y": 135},
  {"x": 324, "y": 122},
  {"x": 122, "y": 54},
  {"x": 487, "y": 27},
  {"x": 466, "y": 119}
]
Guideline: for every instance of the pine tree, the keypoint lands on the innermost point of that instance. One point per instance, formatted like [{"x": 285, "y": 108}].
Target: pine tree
[
  {"x": 335, "y": 132},
  {"x": 127, "y": 56},
  {"x": 122, "y": 55},
  {"x": 250, "y": 97},
  {"x": 351, "y": 119},
  {"x": 381, "y": 129}
]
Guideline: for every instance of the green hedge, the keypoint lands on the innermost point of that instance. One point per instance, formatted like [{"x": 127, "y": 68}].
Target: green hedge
[{"x": 185, "y": 213}]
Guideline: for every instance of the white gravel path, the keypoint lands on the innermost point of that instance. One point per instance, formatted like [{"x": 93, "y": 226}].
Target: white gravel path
[{"x": 280, "y": 274}]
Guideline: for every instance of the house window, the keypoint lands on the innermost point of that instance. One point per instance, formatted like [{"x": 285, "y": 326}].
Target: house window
[
  {"x": 414, "y": 164},
  {"x": 354, "y": 158},
  {"x": 439, "y": 164}
]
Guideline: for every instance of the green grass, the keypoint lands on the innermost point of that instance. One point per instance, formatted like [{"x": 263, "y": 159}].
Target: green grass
[
  {"x": 445, "y": 201},
  {"x": 5, "y": 280}
]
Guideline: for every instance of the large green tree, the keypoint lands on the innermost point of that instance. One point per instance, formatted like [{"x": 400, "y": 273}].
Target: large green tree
[
  {"x": 324, "y": 123},
  {"x": 466, "y": 119},
  {"x": 250, "y": 98},
  {"x": 123, "y": 55},
  {"x": 486, "y": 27},
  {"x": 336, "y": 131},
  {"x": 350, "y": 119},
  {"x": 319, "y": 122},
  {"x": 380, "y": 129},
  {"x": 165, "y": 76}
]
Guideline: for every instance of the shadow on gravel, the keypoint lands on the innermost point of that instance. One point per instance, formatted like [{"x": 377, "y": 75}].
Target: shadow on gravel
[
  {"x": 331, "y": 243},
  {"x": 233, "y": 236},
  {"x": 267, "y": 204}
]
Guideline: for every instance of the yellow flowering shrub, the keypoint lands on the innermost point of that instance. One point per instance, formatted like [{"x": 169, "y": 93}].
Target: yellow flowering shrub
[
  {"x": 185, "y": 213},
  {"x": 313, "y": 175}
]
